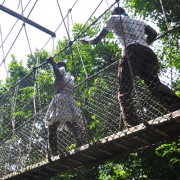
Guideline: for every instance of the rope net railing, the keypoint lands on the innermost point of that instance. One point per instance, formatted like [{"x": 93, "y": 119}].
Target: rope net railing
[
  {"x": 26, "y": 144},
  {"x": 23, "y": 135}
]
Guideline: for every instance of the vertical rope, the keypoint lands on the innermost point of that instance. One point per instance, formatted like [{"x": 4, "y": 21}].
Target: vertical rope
[
  {"x": 84, "y": 99},
  {"x": 132, "y": 76},
  {"x": 79, "y": 51},
  {"x": 63, "y": 19},
  {"x": 37, "y": 83},
  {"x": 24, "y": 25},
  {"x": 13, "y": 119},
  {"x": 169, "y": 37},
  {"x": 2, "y": 44},
  {"x": 35, "y": 112},
  {"x": 34, "y": 94}
]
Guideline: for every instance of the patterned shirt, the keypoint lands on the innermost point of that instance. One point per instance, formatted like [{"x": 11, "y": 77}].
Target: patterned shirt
[
  {"x": 66, "y": 84},
  {"x": 127, "y": 30}
]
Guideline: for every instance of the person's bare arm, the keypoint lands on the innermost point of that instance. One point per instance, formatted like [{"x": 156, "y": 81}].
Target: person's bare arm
[
  {"x": 151, "y": 34},
  {"x": 97, "y": 38},
  {"x": 56, "y": 70}
]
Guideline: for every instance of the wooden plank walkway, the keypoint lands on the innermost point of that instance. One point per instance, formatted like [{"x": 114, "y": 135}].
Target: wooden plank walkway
[{"x": 115, "y": 145}]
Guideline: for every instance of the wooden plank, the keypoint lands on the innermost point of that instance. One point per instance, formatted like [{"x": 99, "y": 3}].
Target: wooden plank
[
  {"x": 88, "y": 156},
  {"x": 112, "y": 146},
  {"x": 141, "y": 140}
]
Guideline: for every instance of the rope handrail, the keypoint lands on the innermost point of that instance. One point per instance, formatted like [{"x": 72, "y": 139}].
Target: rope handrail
[
  {"x": 96, "y": 94},
  {"x": 16, "y": 35},
  {"x": 70, "y": 42},
  {"x": 78, "y": 36}
]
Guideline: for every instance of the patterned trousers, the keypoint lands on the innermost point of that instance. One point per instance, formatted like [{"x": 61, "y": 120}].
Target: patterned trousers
[
  {"x": 141, "y": 61},
  {"x": 52, "y": 130}
]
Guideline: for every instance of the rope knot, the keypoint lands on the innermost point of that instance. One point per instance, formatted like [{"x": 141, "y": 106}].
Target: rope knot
[
  {"x": 70, "y": 43},
  {"x": 70, "y": 10},
  {"x": 34, "y": 69}
]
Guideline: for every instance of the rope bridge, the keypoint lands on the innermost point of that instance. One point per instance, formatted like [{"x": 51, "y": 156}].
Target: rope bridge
[
  {"x": 24, "y": 152},
  {"x": 24, "y": 141}
]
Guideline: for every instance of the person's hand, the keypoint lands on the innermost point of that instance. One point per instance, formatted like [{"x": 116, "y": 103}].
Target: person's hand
[
  {"x": 84, "y": 41},
  {"x": 50, "y": 60}
]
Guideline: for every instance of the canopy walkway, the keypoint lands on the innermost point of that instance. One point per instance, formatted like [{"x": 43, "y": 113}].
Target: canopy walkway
[
  {"x": 24, "y": 146},
  {"x": 115, "y": 145}
]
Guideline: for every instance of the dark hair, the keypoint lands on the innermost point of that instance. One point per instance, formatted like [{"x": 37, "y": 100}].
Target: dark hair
[
  {"x": 61, "y": 64},
  {"x": 118, "y": 10}
]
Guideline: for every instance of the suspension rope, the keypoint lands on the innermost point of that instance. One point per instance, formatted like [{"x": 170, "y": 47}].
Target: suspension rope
[
  {"x": 107, "y": 3},
  {"x": 63, "y": 19},
  {"x": 3, "y": 2},
  {"x": 169, "y": 37},
  {"x": 70, "y": 44},
  {"x": 68, "y": 22},
  {"x": 13, "y": 120},
  {"x": 24, "y": 25},
  {"x": 84, "y": 99},
  {"x": 3, "y": 51},
  {"x": 58, "y": 26},
  {"x": 132, "y": 75},
  {"x": 35, "y": 114},
  {"x": 35, "y": 87},
  {"x": 15, "y": 37},
  {"x": 37, "y": 84},
  {"x": 79, "y": 51},
  {"x": 13, "y": 26}
]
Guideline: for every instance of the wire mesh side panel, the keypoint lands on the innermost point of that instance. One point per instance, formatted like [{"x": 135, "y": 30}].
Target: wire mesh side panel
[
  {"x": 101, "y": 104},
  {"x": 23, "y": 137},
  {"x": 26, "y": 147},
  {"x": 98, "y": 99},
  {"x": 102, "y": 108},
  {"x": 16, "y": 104}
]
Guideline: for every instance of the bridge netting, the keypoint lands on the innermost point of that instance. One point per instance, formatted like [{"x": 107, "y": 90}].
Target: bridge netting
[
  {"x": 24, "y": 141},
  {"x": 23, "y": 136}
]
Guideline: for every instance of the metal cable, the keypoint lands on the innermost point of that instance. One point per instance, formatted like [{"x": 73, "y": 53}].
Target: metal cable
[
  {"x": 169, "y": 37},
  {"x": 131, "y": 72},
  {"x": 79, "y": 52},
  {"x": 75, "y": 39},
  {"x": 3, "y": 51},
  {"x": 63, "y": 20},
  {"x": 15, "y": 39},
  {"x": 13, "y": 26},
  {"x": 24, "y": 25},
  {"x": 59, "y": 26}
]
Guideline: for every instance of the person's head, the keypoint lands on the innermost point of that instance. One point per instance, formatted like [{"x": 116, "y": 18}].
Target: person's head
[
  {"x": 118, "y": 11},
  {"x": 62, "y": 66}
]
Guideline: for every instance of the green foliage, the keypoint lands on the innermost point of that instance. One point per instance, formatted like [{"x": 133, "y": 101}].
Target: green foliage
[
  {"x": 171, "y": 155},
  {"x": 153, "y": 9},
  {"x": 16, "y": 71},
  {"x": 156, "y": 164},
  {"x": 83, "y": 62},
  {"x": 37, "y": 58}
]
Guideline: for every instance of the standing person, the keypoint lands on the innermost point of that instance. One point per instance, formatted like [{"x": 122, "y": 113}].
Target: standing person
[
  {"x": 63, "y": 111},
  {"x": 137, "y": 59}
]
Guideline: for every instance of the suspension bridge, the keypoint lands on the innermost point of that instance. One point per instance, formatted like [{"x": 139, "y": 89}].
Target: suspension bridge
[{"x": 24, "y": 152}]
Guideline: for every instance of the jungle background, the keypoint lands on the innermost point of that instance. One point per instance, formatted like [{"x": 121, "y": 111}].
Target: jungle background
[{"x": 161, "y": 162}]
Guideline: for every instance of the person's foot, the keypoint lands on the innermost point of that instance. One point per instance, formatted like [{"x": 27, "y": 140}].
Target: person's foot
[
  {"x": 79, "y": 142},
  {"x": 54, "y": 153},
  {"x": 125, "y": 126}
]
